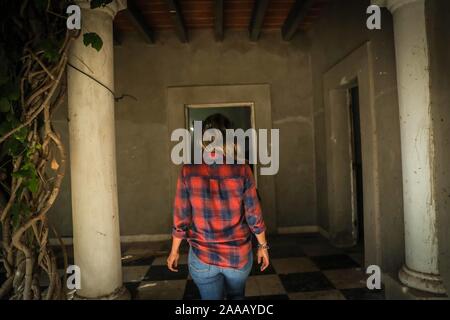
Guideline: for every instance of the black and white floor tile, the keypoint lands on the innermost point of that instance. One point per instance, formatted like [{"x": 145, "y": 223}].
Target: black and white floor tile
[{"x": 303, "y": 267}]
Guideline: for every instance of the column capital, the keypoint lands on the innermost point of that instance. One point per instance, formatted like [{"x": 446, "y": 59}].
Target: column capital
[
  {"x": 111, "y": 8},
  {"x": 393, "y": 5}
]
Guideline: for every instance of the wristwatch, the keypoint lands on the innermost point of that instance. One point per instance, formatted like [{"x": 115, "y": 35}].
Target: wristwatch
[{"x": 263, "y": 246}]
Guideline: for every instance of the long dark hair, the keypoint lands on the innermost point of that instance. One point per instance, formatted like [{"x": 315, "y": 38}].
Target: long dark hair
[
  {"x": 222, "y": 123},
  {"x": 217, "y": 121}
]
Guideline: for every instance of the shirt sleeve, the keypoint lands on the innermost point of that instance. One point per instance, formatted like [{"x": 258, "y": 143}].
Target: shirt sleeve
[
  {"x": 182, "y": 212},
  {"x": 253, "y": 213}
]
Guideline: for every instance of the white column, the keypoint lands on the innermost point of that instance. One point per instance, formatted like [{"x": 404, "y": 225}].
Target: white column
[
  {"x": 95, "y": 215},
  {"x": 413, "y": 81}
]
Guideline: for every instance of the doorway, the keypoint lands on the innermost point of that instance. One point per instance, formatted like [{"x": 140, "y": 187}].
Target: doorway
[
  {"x": 381, "y": 168},
  {"x": 357, "y": 164},
  {"x": 241, "y": 116},
  {"x": 255, "y": 95}
]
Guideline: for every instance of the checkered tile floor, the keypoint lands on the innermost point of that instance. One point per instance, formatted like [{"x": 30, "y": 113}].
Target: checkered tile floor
[{"x": 302, "y": 267}]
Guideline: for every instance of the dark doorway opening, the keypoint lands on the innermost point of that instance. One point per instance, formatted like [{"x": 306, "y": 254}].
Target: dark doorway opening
[
  {"x": 357, "y": 165},
  {"x": 240, "y": 115}
]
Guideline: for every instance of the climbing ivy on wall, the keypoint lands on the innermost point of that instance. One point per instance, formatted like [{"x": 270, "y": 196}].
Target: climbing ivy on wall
[{"x": 34, "y": 44}]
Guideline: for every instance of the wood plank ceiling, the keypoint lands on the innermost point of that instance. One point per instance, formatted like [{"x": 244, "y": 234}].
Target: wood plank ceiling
[{"x": 257, "y": 16}]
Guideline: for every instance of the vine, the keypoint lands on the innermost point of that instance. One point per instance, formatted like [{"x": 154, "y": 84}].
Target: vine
[{"x": 34, "y": 45}]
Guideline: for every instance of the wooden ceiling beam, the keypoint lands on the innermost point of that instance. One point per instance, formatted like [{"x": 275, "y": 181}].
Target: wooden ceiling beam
[
  {"x": 135, "y": 16},
  {"x": 178, "y": 19},
  {"x": 257, "y": 20},
  {"x": 298, "y": 13},
  {"x": 218, "y": 20}
]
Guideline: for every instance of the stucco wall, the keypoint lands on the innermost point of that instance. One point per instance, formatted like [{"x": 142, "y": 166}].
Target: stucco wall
[{"x": 142, "y": 135}]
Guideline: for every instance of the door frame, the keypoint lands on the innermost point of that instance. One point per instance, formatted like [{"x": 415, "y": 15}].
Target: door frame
[
  {"x": 258, "y": 94},
  {"x": 250, "y": 105},
  {"x": 355, "y": 68}
]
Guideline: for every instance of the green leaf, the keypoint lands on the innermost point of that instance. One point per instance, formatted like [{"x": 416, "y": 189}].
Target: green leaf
[
  {"x": 51, "y": 50},
  {"x": 30, "y": 153},
  {"x": 99, "y": 3},
  {"x": 21, "y": 134},
  {"x": 33, "y": 184},
  {"x": 22, "y": 173},
  {"x": 5, "y": 106},
  {"x": 93, "y": 39},
  {"x": 29, "y": 174}
]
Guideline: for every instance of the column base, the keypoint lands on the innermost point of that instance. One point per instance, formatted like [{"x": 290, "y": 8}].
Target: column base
[
  {"x": 121, "y": 293},
  {"x": 421, "y": 281}
]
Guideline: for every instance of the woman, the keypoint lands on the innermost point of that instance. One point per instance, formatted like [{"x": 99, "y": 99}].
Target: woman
[{"x": 217, "y": 209}]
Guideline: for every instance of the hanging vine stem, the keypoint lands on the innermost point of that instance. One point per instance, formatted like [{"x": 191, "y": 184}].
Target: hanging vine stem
[
  {"x": 24, "y": 243},
  {"x": 40, "y": 217}
]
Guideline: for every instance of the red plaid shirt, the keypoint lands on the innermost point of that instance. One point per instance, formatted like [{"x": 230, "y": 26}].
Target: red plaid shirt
[{"x": 216, "y": 209}]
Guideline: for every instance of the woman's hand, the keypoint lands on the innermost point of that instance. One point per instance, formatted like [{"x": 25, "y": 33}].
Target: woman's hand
[
  {"x": 263, "y": 258},
  {"x": 172, "y": 261}
]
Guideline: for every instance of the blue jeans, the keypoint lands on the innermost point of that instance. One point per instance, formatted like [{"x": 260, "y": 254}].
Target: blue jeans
[{"x": 214, "y": 283}]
